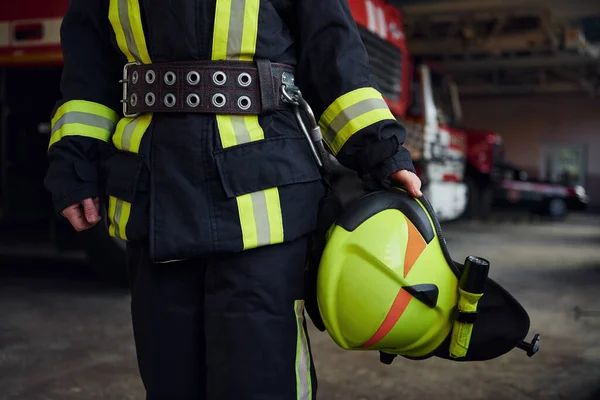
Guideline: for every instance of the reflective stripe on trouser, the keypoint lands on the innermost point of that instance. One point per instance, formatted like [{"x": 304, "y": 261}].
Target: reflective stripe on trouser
[
  {"x": 234, "y": 38},
  {"x": 350, "y": 113},
  {"x": 83, "y": 118},
  {"x": 126, "y": 21},
  {"x": 238, "y": 333},
  {"x": 303, "y": 378}
]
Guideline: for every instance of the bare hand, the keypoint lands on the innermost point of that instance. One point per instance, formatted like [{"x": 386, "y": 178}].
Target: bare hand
[
  {"x": 410, "y": 181},
  {"x": 83, "y": 215}
]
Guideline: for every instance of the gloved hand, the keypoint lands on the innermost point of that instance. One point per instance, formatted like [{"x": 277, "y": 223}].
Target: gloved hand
[
  {"x": 84, "y": 214},
  {"x": 410, "y": 180}
]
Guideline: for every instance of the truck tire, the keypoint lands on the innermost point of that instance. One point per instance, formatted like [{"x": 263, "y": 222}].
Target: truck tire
[{"x": 106, "y": 254}]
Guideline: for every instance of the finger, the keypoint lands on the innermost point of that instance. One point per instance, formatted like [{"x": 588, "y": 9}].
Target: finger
[
  {"x": 90, "y": 209},
  {"x": 76, "y": 218},
  {"x": 415, "y": 186}
]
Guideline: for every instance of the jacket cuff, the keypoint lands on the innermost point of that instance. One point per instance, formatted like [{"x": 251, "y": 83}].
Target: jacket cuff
[
  {"x": 402, "y": 160},
  {"x": 85, "y": 191},
  {"x": 71, "y": 182}
]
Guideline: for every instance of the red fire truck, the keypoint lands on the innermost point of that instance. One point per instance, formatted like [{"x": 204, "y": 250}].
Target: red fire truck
[
  {"x": 419, "y": 94},
  {"x": 423, "y": 97}
]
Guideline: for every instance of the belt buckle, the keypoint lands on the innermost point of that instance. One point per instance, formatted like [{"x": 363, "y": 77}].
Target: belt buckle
[{"x": 124, "y": 82}]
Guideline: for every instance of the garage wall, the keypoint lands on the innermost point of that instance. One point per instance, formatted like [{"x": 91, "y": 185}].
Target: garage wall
[{"x": 528, "y": 123}]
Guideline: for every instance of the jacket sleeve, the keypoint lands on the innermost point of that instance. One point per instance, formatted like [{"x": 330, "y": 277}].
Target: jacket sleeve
[
  {"x": 335, "y": 78},
  {"x": 84, "y": 119}
]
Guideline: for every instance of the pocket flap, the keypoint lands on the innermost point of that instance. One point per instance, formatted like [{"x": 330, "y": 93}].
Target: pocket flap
[
  {"x": 124, "y": 175},
  {"x": 264, "y": 164}
]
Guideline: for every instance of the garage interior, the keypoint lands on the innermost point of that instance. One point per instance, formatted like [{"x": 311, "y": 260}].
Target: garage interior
[{"x": 528, "y": 70}]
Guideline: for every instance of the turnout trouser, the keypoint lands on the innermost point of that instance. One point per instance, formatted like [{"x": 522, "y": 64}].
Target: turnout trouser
[{"x": 224, "y": 328}]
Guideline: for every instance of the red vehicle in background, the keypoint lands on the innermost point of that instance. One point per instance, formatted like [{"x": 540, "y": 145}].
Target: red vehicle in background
[
  {"x": 424, "y": 99},
  {"x": 30, "y": 72}
]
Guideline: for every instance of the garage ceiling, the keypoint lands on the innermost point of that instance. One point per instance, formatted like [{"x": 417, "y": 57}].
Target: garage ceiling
[{"x": 512, "y": 47}]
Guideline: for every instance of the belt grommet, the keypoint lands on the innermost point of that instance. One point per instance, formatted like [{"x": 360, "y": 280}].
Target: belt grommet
[
  {"x": 135, "y": 76},
  {"x": 133, "y": 100},
  {"x": 150, "y": 99},
  {"x": 219, "y": 100},
  {"x": 244, "y": 102},
  {"x": 193, "y": 100},
  {"x": 244, "y": 79},
  {"x": 193, "y": 77},
  {"x": 150, "y": 76},
  {"x": 219, "y": 78},
  {"x": 170, "y": 78},
  {"x": 170, "y": 100}
]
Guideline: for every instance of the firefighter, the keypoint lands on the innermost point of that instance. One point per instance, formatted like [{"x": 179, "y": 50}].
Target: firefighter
[{"x": 173, "y": 112}]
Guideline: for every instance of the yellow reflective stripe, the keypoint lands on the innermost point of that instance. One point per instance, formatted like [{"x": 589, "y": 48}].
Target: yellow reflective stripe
[
  {"x": 125, "y": 18},
  {"x": 226, "y": 132},
  {"x": 135, "y": 22},
  {"x": 250, "y": 31},
  {"x": 82, "y": 118},
  {"x": 255, "y": 131},
  {"x": 350, "y": 113},
  {"x": 128, "y": 137},
  {"x": 247, "y": 221},
  {"x": 112, "y": 223},
  {"x": 85, "y": 106},
  {"x": 260, "y": 216},
  {"x": 75, "y": 129},
  {"x": 273, "y": 205},
  {"x": 221, "y": 29},
  {"x": 303, "y": 366},
  {"x": 115, "y": 21}
]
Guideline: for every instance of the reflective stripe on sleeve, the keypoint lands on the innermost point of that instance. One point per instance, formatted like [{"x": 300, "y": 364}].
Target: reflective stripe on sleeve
[
  {"x": 126, "y": 21},
  {"x": 83, "y": 118},
  {"x": 350, "y": 113},
  {"x": 234, "y": 38},
  {"x": 303, "y": 377}
]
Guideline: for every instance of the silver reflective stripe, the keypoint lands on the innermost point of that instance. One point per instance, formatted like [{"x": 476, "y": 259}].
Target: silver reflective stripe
[
  {"x": 261, "y": 216},
  {"x": 78, "y": 117},
  {"x": 352, "y": 112},
  {"x": 127, "y": 133},
  {"x": 240, "y": 129},
  {"x": 303, "y": 379},
  {"x": 124, "y": 17},
  {"x": 117, "y": 218},
  {"x": 236, "y": 28}
]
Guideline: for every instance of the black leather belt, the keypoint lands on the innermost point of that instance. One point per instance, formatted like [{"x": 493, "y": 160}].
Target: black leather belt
[{"x": 217, "y": 87}]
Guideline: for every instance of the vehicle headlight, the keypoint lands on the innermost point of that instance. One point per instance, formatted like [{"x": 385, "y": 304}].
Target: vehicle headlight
[{"x": 580, "y": 190}]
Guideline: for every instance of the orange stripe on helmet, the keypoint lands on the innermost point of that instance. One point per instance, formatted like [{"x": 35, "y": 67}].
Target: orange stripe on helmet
[
  {"x": 415, "y": 246},
  {"x": 396, "y": 311}
]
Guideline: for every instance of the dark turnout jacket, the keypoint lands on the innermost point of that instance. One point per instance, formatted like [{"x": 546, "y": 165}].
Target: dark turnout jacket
[{"x": 191, "y": 184}]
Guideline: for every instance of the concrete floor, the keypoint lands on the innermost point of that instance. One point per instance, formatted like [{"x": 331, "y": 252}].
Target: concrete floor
[{"x": 64, "y": 335}]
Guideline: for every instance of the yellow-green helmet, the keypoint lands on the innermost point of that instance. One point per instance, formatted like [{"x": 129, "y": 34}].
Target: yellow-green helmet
[{"x": 386, "y": 282}]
